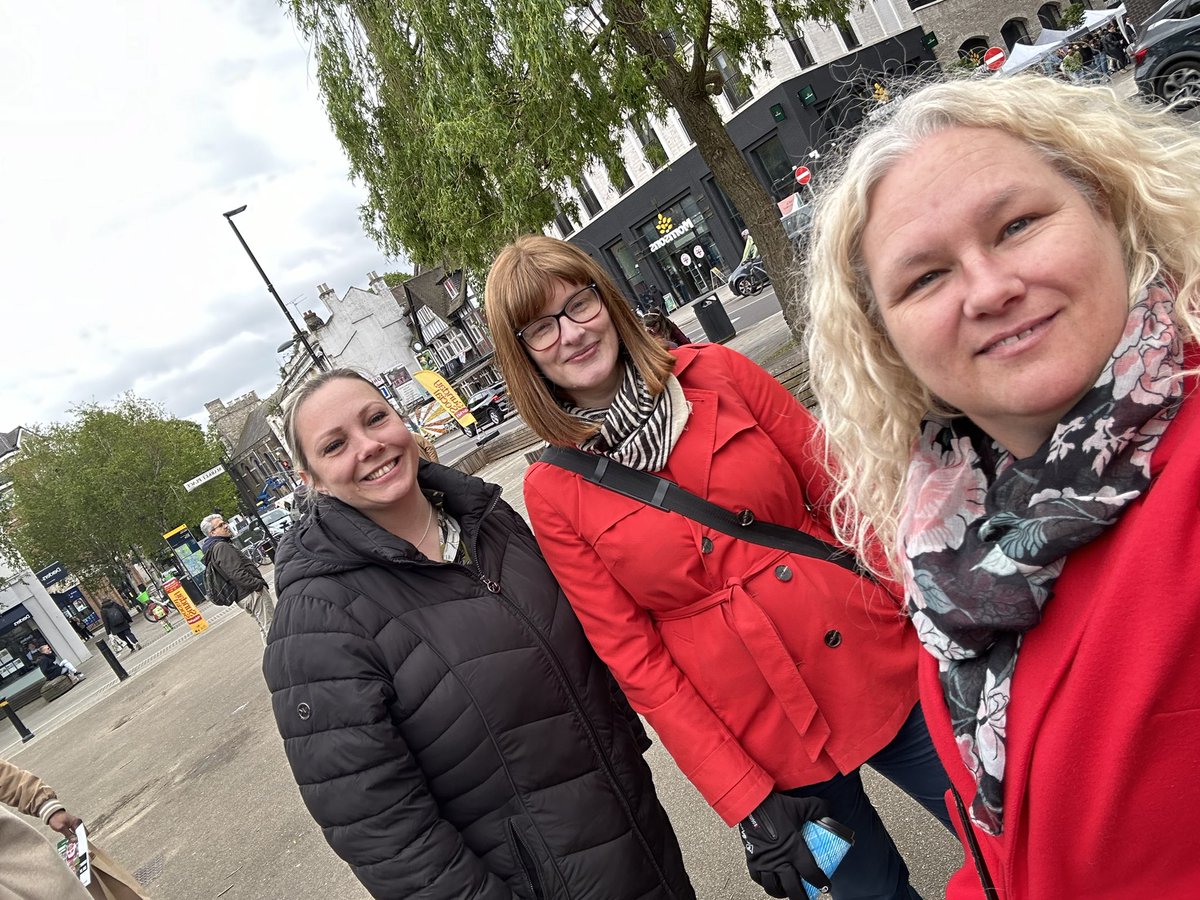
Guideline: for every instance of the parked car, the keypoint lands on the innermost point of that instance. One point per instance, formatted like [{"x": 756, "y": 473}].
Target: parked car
[
  {"x": 277, "y": 521},
  {"x": 749, "y": 278},
  {"x": 1167, "y": 60},
  {"x": 1171, "y": 10},
  {"x": 491, "y": 406}
]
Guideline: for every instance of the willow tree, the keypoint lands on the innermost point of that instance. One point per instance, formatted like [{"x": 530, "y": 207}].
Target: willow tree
[
  {"x": 85, "y": 492},
  {"x": 467, "y": 120}
]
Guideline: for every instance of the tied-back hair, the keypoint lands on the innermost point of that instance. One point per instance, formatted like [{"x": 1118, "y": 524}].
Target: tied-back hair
[
  {"x": 520, "y": 282},
  {"x": 1140, "y": 166}
]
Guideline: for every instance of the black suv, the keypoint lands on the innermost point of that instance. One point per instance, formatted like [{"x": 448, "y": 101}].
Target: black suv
[
  {"x": 489, "y": 406},
  {"x": 1167, "y": 58}
]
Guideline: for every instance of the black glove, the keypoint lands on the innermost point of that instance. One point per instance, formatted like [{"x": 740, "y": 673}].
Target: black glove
[{"x": 776, "y": 853}]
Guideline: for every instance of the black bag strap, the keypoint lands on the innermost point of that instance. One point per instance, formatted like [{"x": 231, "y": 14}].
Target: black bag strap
[
  {"x": 670, "y": 497},
  {"x": 981, "y": 869}
]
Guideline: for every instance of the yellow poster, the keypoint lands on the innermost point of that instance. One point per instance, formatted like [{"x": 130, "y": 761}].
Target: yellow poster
[
  {"x": 440, "y": 388},
  {"x": 187, "y": 609}
]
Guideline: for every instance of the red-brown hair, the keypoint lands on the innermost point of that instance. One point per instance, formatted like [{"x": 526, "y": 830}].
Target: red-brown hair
[{"x": 518, "y": 285}]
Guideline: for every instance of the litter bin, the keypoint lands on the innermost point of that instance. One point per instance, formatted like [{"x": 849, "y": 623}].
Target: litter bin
[{"x": 711, "y": 315}]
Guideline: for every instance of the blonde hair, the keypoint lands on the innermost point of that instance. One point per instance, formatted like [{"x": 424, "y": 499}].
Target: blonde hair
[
  {"x": 1140, "y": 166},
  {"x": 518, "y": 285}
]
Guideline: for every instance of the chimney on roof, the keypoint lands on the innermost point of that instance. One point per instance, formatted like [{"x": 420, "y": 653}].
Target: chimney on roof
[
  {"x": 379, "y": 286},
  {"x": 312, "y": 321},
  {"x": 325, "y": 292}
]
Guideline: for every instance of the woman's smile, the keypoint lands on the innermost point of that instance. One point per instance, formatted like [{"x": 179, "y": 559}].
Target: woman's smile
[
  {"x": 1018, "y": 340},
  {"x": 585, "y": 360},
  {"x": 381, "y": 471}
]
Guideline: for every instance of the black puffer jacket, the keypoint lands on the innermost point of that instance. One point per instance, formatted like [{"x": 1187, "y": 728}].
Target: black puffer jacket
[
  {"x": 450, "y": 728},
  {"x": 232, "y": 564}
]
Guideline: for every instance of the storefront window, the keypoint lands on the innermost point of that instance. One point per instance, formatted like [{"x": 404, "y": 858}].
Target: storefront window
[
  {"x": 682, "y": 244},
  {"x": 17, "y": 632},
  {"x": 714, "y": 190},
  {"x": 620, "y": 254},
  {"x": 776, "y": 167}
]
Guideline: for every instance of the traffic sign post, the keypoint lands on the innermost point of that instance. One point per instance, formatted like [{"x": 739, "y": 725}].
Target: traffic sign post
[
  {"x": 994, "y": 58},
  {"x": 803, "y": 175}
]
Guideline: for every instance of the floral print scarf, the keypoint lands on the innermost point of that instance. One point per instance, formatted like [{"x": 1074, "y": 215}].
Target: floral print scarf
[{"x": 985, "y": 536}]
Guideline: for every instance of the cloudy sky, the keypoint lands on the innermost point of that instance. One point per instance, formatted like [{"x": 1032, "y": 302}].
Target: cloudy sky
[{"x": 126, "y": 129}]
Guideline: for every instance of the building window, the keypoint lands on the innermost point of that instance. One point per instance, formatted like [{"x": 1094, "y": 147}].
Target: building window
[
  {"x": 588, "y": 196},
  {"x": 1014, "y": 32},
  {"x": 456, "y": 343},
  {"x": 1050, "y": 16},
  {"x": 566, "y": 226},
  {"x": 776, "y": 167},
  {"x": 849, "y": 38},
  {"x": 620, "y": 178},
  {"x": 734, "y": 83},
  {"x": 588, "y": 19},
  {"x": 475, "y": 329},
  {"x": 652, "y": 147},
  {"x": 620, "y": 254},
  {"x": 972, "y": 49},
  {"x": 795, "y": 39},
  {"x": 735, "y": 217}
]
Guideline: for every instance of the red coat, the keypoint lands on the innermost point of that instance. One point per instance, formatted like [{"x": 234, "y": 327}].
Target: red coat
[
  {"x": 759, "y": 669},
  {"x": 1102, "y": 775}
]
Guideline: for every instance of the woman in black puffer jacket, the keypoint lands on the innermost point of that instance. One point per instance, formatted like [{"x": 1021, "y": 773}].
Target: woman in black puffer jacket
[{"x": 449, "y": 726}]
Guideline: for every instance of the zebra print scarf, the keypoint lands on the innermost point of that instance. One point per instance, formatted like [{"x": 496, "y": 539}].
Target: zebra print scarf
[{"x": 637, "y": 430}]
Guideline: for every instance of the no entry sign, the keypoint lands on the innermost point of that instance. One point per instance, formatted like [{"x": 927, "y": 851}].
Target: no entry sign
[
  {"x": 803, "y": 175},
  {"x": 994, "y": 58}
]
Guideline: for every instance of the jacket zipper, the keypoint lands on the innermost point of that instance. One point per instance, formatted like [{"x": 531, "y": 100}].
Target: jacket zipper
[
  {"x": 589, "y": 728},
  {"x": 520, "y": 854}
]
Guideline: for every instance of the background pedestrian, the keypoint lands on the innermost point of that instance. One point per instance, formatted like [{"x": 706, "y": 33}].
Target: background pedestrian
[
  {"x": 254, "y": 594},
  {"x": 118, "y": 622}
]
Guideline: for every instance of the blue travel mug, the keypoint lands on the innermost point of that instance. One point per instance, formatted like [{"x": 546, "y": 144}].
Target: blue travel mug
[{"x": 829, "y": 842}]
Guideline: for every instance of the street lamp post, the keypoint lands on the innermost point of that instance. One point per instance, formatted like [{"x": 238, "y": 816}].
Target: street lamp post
[{"x": 271, "y": 288}]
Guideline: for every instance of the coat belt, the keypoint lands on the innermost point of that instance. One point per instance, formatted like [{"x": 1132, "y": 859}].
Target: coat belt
[{"x": 761, "y": 639}]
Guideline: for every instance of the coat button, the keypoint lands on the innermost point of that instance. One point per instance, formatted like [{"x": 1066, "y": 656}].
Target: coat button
[
  {"x": 783, "y": 573},
  {"x": 304, "y": 711},
  {"x": 833, "y": 638},
  {"x": 746, "y": 517},
  {"x": 706, "y": 545}
]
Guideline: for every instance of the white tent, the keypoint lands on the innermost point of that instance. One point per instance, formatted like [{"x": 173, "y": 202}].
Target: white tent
[
  {"x": 1094, "y": 18},
  {"x": 1050, "y": 36},
  {"x": 1022, "y": 56}
]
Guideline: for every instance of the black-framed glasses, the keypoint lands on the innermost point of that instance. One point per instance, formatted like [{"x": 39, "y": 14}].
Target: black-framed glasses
[{"x": 581, "y": 307}]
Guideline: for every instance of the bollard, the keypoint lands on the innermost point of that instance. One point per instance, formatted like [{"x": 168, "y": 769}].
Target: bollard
[
  {"x": 6, "y": 708},
  {"x": 112, "y": 660}
]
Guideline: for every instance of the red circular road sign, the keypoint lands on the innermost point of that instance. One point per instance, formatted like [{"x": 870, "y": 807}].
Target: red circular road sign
[
  {"x": 994, "y": 58},
  {"x": 803, "y": 175}
]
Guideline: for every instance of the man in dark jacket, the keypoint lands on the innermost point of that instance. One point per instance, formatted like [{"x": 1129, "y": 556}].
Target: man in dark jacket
[
  {"x": 254, "y": 595},
  {"x": 448, "y": 724},
  {"x": 118, "y": 622}
]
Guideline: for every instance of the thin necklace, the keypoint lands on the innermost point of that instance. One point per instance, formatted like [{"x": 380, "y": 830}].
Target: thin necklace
[{"x": 427, "y": 524}]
